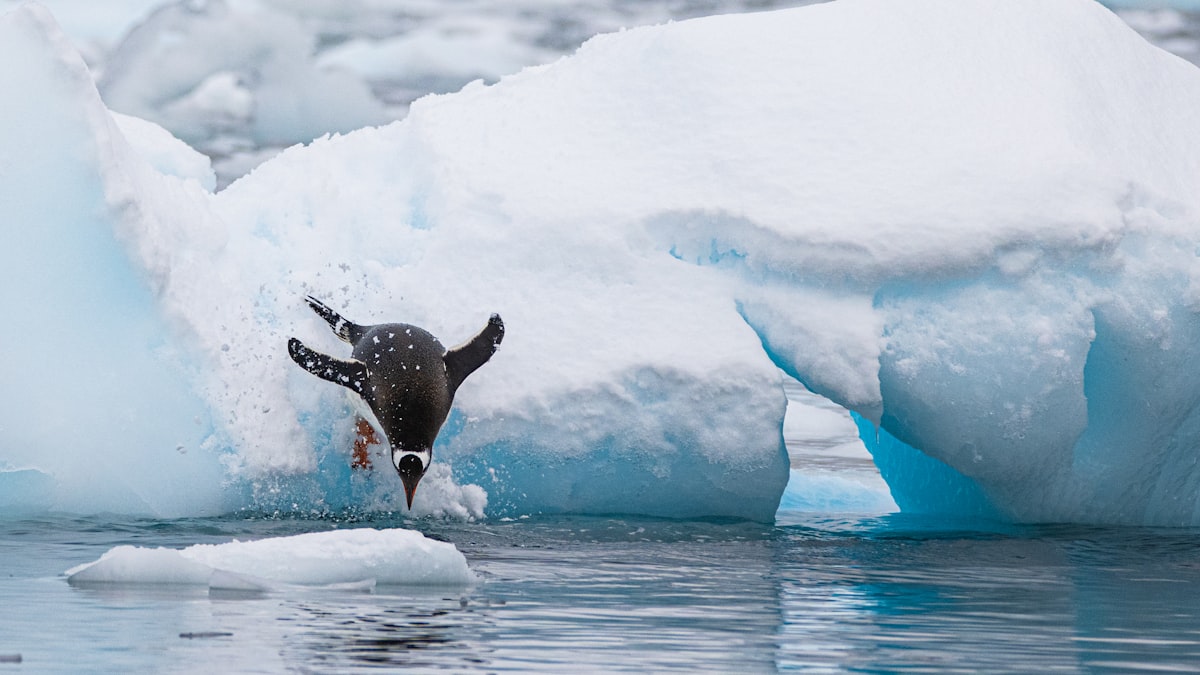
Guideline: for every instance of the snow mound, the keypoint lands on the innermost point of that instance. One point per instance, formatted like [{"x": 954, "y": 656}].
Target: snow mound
[
  {"x": 359, "y": 558},
  {"x": 167, "y": 154}
]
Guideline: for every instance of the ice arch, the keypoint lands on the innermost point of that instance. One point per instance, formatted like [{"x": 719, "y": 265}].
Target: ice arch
[{"x": 972, "y": 222}]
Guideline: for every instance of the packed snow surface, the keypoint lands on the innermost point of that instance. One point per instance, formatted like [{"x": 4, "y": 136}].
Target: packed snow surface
[
  {"x": 359, "y": 557},
  {"x": 974, "y": 223},
  {"x": 242, "y": 79}
]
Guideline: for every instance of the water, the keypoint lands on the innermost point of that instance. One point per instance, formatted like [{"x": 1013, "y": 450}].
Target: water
[
  {"x": 815, "y": 591},
  {"x": 820, "y": 592}
]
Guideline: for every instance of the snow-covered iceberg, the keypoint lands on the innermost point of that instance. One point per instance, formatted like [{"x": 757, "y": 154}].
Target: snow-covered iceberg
[
  {"x": 974, "y": 223},
  {"x": 97, "y": 412},
  {"x": 362, "y": 558}
]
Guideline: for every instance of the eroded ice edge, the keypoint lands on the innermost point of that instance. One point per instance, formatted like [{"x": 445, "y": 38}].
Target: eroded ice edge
[
  {"x": 345, "y": 559},
  {"x": 972, "y": 223}
]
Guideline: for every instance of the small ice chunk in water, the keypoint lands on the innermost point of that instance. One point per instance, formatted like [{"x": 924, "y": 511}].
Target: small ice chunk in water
[{"x": 355, "y": 559}]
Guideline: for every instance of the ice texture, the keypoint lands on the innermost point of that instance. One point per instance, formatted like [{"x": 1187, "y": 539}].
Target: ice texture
[
  {"x": 363, "y": 557},
  {"x": 971, "y": 222},
  {"x": 207, "y": 69},
  {"x": 97, "y": 412},
  {"x": 241, "y": 79}
]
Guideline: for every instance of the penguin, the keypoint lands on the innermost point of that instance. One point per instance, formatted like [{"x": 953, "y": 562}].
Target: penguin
[{"x": 406, "y": 378}]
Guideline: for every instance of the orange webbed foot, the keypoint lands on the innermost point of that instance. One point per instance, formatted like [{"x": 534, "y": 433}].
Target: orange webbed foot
[{"x": 364, "y": 437}]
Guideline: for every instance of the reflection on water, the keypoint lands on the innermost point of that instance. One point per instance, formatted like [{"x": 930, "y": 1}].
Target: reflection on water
[
  {"x": 888, "y": 593},
  {"x": 816, "y": 591},
  {"x": 341, "y": 634}
]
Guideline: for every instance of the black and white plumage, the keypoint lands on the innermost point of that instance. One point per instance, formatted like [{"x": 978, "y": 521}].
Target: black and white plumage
[{"x": 406, "y": 378}]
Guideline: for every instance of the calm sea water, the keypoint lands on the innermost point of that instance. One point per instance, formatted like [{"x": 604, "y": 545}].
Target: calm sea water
[
  {"x": 814, "y": 591},
  {"x": 822, "y": 593}
]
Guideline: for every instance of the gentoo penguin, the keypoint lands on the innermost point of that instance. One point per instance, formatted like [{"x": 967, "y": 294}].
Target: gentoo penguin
[{"x": 405, "y": 376}]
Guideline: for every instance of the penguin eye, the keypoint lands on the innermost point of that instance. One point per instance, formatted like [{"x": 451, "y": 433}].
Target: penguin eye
[{"x": 412, "y": 463}]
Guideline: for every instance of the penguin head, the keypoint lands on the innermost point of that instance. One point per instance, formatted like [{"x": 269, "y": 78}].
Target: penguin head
[{"x": 411, "y": 465}]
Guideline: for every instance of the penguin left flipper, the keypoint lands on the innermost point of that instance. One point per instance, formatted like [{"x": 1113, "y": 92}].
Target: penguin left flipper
[
  {"x": 347, "y": 331},
  {"x": 346, "y": 372},
  {"x": 467, "y": 357}
]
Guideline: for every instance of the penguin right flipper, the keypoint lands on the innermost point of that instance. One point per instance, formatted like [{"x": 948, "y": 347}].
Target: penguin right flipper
[
  {"x": 348, "y": 373},
  {"x": 348, "y": 331},
  {"x": 467, "y": 357}
]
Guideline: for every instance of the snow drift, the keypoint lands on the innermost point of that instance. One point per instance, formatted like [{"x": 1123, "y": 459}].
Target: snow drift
[{"x": 973, "y": 223}]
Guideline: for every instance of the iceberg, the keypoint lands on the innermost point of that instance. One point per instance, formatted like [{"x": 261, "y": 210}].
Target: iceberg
[
  {"x": 97, "y": 408},
  {"x": 241, "y": 79},
  {"x": 972, "y": 223},
  {"x": 213, "y": 70},
  {"x": 361, "y": 558}
]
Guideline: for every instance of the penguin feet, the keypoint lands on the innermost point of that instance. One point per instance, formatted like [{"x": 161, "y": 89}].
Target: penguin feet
[{"x": 364, "y": 437}]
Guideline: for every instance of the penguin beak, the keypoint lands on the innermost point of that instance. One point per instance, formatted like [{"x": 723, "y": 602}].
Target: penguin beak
[
  {"x": 411, "y": 468},
  {"x": 410, "y": 486}
]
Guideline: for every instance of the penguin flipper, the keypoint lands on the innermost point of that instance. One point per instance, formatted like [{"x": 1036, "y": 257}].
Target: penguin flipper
[
  {"x": 348, "y": 331},
  {"x": 348, "y": 373},
  {"x": 467, "y": 357}
]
